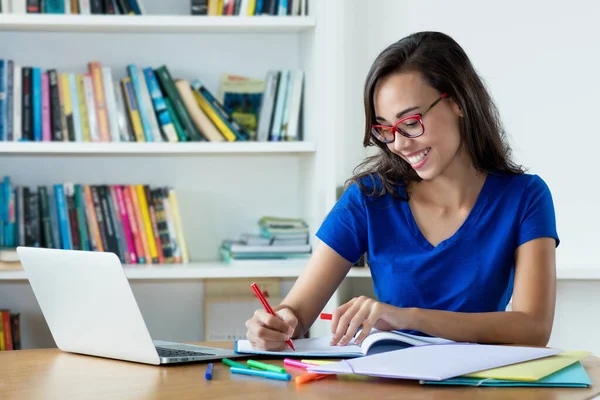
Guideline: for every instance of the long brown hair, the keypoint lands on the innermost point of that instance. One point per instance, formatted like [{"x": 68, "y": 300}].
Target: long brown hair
[{"x": 444, "y": 65}]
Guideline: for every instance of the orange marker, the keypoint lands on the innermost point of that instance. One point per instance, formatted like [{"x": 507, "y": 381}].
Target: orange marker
[{"x": 304, "y": 378}]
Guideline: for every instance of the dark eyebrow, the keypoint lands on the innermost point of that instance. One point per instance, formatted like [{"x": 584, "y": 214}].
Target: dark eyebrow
[{"x": 398, "y": 115}]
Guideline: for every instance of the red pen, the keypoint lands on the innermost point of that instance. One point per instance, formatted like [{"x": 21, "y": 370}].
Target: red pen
[
  {"x": 326, "y": 316},
  {"x": 268, "y": 308}
]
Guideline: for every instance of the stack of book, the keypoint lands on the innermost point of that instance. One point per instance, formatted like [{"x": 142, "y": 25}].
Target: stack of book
[
  {"x": 10, "y": 332},
  {"x": 148, "y": 105},
  {"x": 249, "y": 7},
  {"x": 112, "y": 7},
  {"x": 278, "y": 238},
  {"x": 140, "y": 224}
]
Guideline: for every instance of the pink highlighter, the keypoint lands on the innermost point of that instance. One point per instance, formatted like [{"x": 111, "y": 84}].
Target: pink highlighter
[{"x": 296, "y": 363}]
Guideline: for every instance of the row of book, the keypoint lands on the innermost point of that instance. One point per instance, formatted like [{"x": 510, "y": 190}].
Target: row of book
[
  {"x": 139, "y": 223},
  {"x": 10, "y": 332},
  {"x": 148, "y": 105},
  {"x": 249, "y": 7},
  {"x": 278, "y": 238},
  {"x": 114, "y": 7}
]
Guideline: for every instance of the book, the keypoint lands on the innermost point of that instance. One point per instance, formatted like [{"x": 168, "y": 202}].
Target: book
[
  {"x": 573, "y": 376},
  {"x": 532, "y": 370},
  {"x": 376, "y": 342},
  {"x": 435, "y": 362}
]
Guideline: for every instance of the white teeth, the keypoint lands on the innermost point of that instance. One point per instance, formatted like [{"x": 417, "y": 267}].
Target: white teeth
[{"x": 416, "y": 159}]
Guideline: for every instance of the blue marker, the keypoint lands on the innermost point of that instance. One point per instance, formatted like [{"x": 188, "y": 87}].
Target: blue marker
[
  {"x": 265, "y": 374},
  {"x": 209, "y": 372}
]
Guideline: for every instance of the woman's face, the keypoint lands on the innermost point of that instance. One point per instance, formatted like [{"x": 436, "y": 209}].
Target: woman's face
[{"x": 403, "y": 94}]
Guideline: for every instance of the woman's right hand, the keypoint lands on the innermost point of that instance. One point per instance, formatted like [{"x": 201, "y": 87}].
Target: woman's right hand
[{"x": 267, "y": 332}]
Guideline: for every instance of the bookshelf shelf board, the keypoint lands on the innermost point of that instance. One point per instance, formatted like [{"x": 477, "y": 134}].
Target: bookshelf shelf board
[
  {"x": 128, "y": 148},
  {"x": 208, "y": 270},
  {"x": 154, "y": 23},
  {"x": 264, "y": 269}
]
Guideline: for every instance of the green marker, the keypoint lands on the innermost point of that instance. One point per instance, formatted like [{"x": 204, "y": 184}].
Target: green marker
[
  {"x": 230, "y": 363},
  {"x": 266, "y": 367}
]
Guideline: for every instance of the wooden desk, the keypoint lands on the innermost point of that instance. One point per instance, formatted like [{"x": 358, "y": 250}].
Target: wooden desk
[{"x": 52, "y": 374}]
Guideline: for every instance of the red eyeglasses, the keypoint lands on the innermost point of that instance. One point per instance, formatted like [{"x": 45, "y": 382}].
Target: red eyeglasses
[{"x": 411, "y": 126}]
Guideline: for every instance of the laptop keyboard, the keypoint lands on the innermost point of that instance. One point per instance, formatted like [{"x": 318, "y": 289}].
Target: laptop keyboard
[{"x": 163, "y": 352}]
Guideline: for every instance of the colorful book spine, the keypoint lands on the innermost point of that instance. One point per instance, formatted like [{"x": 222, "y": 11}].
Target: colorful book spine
[
  {"x": 154, "y": 223},
  {"x": 137, "y": 90},
  {"x": 280, "y": 106},
  {"x": 68, "y": 104},
  {"x": 133, "y": 225},
  {"x": 17, "y": 103},
  {"x": 81, "y": 218},
  {"x": 75, "y": 102},
  {"x": 143, "y": 205},
  {"x": 94, "y": 228},
  {"x": 36, "y": 99},
  {"x": 63, "y": 218},
  {"x": 3, "y": 96},
  {"x": 160, "y": 106},
  {"x": 140, "y": 223},
  {"x": 132, "y": 107},
  {"x": 46, "y": 125},
  {"x": 90, "y": 104},
  {"x": 95, "y": 69},
  {"x": 10, "y": 100},
  {"x": 178, "y": 226},
  {"x": 84, "y": 119},
  {"x": 148, "y": 108},
  {"x": 126, "y": 225},
  {"x": 27, "y": 113},
  {"x": 55, "y": 106},
  {"x": 111, "y": 104}
]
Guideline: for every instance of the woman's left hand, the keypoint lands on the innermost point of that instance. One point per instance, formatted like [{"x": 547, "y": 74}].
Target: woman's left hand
[{"x": 369, "y": 313}]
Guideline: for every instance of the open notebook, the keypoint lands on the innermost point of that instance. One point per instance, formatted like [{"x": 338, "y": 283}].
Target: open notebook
[{"x": 376, "y": 342}]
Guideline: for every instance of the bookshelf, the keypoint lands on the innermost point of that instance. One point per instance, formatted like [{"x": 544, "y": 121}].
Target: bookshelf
[
  {"x": 153, "y": 24},
  {"x": 209, "y": 270},
  {"x": 118, "y": 149},
  {"x": 265, "y": 269},
  {"x": 222, "y": 188}
]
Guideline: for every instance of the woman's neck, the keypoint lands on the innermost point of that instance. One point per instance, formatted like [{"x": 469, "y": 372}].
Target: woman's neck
[{"x": 457, "y": 187}]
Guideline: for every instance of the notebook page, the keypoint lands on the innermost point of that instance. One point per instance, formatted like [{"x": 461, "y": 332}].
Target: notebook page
[{"x": 313, "y": 346}]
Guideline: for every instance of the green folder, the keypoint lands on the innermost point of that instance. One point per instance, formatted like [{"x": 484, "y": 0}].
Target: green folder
[{"x": 573, "y": 376}]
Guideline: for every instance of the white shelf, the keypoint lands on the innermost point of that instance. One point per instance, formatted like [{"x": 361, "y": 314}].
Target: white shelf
[
  {"x": 153, "y": 23},
  {"x": 208, "y": 270},
  {"x": 62, "y": 148},
  {"x": 262, "y": 269}
]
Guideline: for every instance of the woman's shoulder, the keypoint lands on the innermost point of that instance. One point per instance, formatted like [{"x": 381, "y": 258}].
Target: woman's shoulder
[
  {"x": 371, "y": 188},
  {"x": 523, "y": 183}
]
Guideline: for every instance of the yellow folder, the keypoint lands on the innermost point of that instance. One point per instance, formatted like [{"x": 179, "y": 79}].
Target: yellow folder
[{"x": 533, "y": 370}]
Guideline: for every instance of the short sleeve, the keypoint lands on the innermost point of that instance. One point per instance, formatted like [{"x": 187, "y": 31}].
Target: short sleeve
[
  {"x": 538, "y": 217},
  {"x": 344, "y": 229}
]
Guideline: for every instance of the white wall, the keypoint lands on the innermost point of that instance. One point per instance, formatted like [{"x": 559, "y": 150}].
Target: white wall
[{"x": 540, "y": 62}]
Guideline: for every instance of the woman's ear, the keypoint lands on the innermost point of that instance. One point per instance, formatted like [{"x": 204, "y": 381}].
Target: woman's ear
[{"x": 456, "y": 109}]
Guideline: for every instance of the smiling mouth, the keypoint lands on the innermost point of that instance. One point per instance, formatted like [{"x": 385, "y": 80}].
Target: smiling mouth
[{"x": 417, "y": 158}]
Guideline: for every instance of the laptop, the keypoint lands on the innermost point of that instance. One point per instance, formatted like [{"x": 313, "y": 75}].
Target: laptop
[{"x": 90, "y": 309}]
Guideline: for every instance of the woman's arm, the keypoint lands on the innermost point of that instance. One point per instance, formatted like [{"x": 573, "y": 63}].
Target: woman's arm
[
  {"x": 529, "y": 322},
  {"x": 314, "y": 287}
]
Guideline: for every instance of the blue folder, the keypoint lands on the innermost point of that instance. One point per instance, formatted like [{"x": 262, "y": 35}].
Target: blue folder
[{"x": 572, "y": 376}]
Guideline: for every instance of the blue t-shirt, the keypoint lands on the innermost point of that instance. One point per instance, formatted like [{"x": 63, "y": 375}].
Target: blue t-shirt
[{"x": 471, "y": 271}]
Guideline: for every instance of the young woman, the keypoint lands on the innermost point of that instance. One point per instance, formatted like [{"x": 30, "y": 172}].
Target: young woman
[{"x": 451, "y": 227}]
